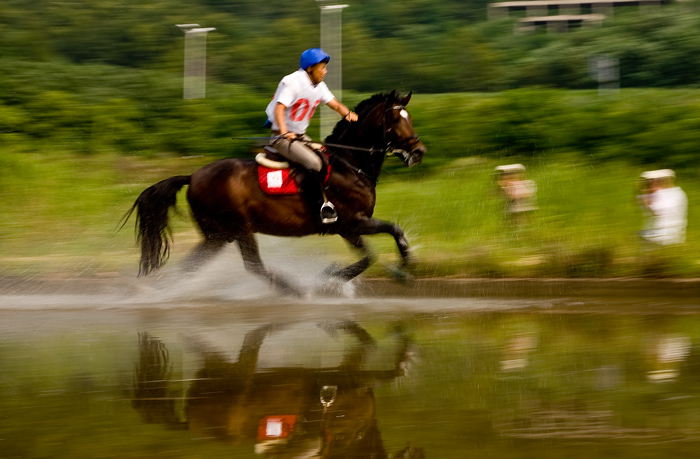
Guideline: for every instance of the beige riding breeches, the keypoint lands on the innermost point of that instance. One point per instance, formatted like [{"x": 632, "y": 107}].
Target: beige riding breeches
[{"x": 297, "y": 151}]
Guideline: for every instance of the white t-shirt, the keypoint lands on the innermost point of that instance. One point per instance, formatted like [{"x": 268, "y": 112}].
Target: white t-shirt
[
  {"x": 521, "y": 196},
  {"x": 301, "y": 97},
  {"x": 669, "y": 208}
]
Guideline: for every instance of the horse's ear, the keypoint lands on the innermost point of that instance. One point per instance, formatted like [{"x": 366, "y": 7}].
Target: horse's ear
[{"x": 405, "y": 100}]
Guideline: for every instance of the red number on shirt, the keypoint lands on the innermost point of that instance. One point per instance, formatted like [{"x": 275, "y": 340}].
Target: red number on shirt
[
  {"x": 301, "y": 109},
  {"x": 313, "y": 109}
]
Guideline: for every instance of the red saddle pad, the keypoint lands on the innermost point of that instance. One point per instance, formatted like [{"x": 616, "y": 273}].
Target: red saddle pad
[{"x": 276, "y": 181}]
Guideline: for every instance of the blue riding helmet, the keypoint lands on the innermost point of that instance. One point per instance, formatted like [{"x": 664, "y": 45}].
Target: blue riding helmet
[{"x": 313, "y": 56}]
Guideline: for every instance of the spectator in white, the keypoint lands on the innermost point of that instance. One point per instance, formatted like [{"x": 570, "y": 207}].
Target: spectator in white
[
  {"x": 667, "y": 208},
  {"x": 518, "y": 193}
]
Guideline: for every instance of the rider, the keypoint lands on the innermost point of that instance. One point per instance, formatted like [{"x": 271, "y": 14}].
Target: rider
[{"x": 290, "y": 111}]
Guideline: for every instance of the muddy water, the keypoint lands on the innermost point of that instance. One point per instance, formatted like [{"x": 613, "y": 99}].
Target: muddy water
[{"x": 125, "y": 368}]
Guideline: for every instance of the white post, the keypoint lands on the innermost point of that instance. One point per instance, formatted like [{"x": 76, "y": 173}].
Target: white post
[
  {"x": 194, "y": 80},
  {"x": 331, "y": 42},
  {"x": 606, "y": 71}
]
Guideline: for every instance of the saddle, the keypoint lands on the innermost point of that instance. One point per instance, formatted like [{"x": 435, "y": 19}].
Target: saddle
[{"x": 278, "y": 176}]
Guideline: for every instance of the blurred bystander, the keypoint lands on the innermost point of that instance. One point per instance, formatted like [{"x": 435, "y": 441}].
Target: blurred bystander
[
  {"x": 519, "y": 194},
  {"x": 666, "y": 208}
]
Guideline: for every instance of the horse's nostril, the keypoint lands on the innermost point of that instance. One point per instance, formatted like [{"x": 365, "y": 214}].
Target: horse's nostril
[{"x": 415, "y": 158}]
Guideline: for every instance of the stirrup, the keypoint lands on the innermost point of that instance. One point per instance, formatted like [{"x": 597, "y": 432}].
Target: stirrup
[{"x": 328, "y": 214}]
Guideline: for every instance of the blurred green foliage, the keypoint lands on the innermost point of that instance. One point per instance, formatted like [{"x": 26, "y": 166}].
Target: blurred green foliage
[
  {"x": 94, "y": 76},
  {"x": 644, "y": 126},
  {"x": 86, "y": 83},
  {"x": 147, "y": 116},
  {"x": 424, "y": 45}
]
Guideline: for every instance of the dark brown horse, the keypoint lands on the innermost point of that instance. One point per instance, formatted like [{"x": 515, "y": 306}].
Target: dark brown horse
[{"x": 228, "y": 204}]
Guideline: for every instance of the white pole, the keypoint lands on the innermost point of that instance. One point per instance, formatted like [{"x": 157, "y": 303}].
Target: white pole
[
  {"x": 332, "y": 43},
  {"x": 194, "y": 80}
]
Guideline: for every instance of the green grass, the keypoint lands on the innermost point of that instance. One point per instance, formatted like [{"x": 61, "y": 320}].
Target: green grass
[
  {"x": 61, "y": 214},
  {"x": 585, "y": 226}
]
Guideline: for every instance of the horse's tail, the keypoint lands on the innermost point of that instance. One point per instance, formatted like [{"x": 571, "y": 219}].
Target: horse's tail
[
  {"x": 152, "y": 231},
  {"x": 151, "y": 379}
]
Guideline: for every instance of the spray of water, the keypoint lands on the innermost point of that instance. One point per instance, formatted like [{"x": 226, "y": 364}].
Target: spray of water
[{"x": 225, "y": 278}]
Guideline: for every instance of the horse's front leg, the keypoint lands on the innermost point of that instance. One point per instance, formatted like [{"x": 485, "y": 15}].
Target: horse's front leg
[
  {"x": 375, "y": 226},
  {"x": 354, "y": 237},
  {"x": 352, "y": 271}
]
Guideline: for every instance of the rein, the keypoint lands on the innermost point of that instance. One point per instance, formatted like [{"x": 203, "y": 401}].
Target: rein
[{"x": 388, "y": 149}]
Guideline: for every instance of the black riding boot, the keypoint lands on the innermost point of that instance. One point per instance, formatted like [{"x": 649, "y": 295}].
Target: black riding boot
[{"x": 313, "y": 195}]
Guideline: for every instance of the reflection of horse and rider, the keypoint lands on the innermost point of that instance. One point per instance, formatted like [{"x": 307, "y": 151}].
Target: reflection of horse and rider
[
  {"x": 231, "y": 199},
  {"x": 294, "y": 411}
]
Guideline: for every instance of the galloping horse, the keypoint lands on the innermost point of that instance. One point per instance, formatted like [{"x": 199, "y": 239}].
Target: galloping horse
[{"x": 228, "y": 204}]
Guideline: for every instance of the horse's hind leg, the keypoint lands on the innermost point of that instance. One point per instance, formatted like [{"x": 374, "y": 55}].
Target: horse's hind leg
[
  {"x": 254, "y": 264},
  {"x": 202, "y": 253}
]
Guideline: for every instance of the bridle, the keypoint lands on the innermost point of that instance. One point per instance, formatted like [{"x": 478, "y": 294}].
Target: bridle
[
  {"x": 410, "y": 142},
  {"x": 389, "y": 147}
]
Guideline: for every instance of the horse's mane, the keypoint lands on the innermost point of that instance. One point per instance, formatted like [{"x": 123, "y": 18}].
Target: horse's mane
[
  {"x": 342, "y": 126},
  {"x": 375, "y": 100}
]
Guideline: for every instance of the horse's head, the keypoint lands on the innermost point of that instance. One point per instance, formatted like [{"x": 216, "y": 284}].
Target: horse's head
[
  {"x": 384, "y": 125},
  {"x": 398, "y": 130}
]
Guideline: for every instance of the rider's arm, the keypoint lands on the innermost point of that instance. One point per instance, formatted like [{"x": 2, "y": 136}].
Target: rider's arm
[
  {"x": 342, "y": 110},
  {"x": 281, "y": 122}
]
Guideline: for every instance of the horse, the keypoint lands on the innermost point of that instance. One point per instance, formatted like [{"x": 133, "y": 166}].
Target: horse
[
  {"x": 288, "y": 411},
  {"x": 228, "y": 204}
]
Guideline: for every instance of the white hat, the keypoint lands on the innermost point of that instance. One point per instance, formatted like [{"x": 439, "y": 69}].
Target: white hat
[
  {"x": 667, "y": 173},
  {"x": 510, "y": 168},
  {"x": 657, "y": 174}
]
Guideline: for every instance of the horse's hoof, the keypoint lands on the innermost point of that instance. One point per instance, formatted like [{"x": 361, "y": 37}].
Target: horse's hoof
[
  {"x": 331, "y": 271},
  {"x": 285, "y": 287},
  {"x": 335, "y": 287},
  {"x": 399, "y": 275}
]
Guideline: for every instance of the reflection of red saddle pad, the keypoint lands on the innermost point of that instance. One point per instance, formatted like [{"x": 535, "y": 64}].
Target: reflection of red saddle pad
[
  {"x": 276, "y": 181},
  {"x": 276, "y": 427}
]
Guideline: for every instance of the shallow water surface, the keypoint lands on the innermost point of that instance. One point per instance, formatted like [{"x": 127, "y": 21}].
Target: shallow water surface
[{"x": 365, "y": 376}]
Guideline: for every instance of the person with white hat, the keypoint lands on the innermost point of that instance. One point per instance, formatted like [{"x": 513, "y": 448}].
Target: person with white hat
[
  {"x": 666, "y": 205},
  {"x": 518, "y": 193}
]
